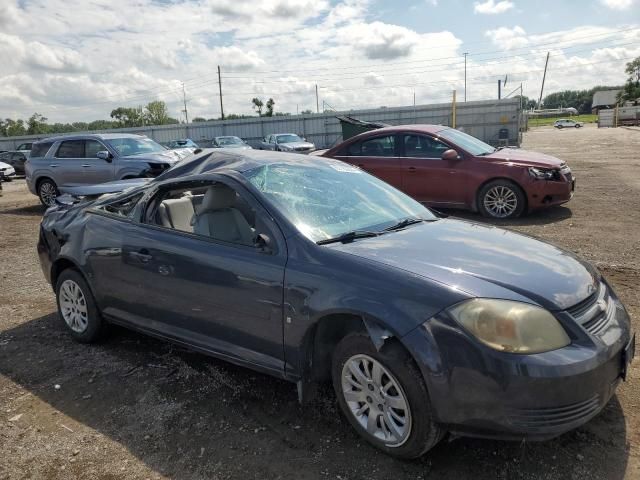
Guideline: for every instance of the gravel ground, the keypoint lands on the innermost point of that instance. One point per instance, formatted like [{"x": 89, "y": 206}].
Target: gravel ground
[{"x": 134, "y": 407}]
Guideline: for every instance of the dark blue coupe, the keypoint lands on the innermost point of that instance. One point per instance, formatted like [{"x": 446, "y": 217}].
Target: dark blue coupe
[{"x": 311, "y": 270}]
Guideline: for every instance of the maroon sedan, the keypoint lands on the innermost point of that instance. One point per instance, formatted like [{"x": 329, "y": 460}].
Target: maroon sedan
[{"x": 444, "y": 167}]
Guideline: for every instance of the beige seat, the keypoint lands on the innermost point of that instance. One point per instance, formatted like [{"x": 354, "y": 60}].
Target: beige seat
[
  {"x": 218, "y": 218},
  {"x": 177, "y": 213}
]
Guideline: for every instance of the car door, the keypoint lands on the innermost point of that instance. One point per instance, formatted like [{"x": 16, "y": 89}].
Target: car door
[
  {"x": 221, "y": 296},
  {"x": 426, "y": 176},
  {"x": 67, "y": 162},
  {"x": 378, "y": 156},
  {"x": 96, "y": 169}
]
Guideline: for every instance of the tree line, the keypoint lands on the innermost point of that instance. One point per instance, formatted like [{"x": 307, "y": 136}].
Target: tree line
[{"x": 156, "y": 113}]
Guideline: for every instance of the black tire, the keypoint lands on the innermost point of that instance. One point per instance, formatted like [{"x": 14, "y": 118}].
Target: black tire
[
  {"x": 425, "y": 433},
  {"x": 43, "y": 188},
  {"x": 519, "y": 195},
  {"x": 96, "y": 327}
]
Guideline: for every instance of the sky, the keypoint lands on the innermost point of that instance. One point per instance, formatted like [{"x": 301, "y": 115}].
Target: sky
[{"x": 76, "y": 60}]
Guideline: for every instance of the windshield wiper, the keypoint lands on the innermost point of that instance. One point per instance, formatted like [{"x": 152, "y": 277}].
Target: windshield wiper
[
  {"x": 404, "y": 223},
  {"x": 348, "y": 237}
]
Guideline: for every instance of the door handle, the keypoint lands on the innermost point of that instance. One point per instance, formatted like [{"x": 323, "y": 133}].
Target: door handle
[
  {"x": 142, "y": 255},
  {"x": 53, "y": 165},
  {"x": 86, "y": 165},
  {"x": 412, "y": 169}
]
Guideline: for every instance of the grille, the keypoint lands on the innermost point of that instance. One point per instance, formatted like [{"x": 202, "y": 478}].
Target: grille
[
  {"x": 595, "y": 312},
  {"x": 555, "y": 416}
]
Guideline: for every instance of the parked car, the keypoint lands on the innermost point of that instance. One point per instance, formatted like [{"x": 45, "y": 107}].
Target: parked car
[
  {"x": 567, "y": 123},
  {"x": 286, "y": 142},
  {"x": 444, "y": 167},
  {"x": 7, "y": 172},
  {"x": 184, "y": 143},
  {"x": 308, "y": 269},
  {"x": 16, "y": 159},
  {"x": 25, "y": 147},
  {"x": 89, "y": 159},
  {"x": 229, "y": 141}
]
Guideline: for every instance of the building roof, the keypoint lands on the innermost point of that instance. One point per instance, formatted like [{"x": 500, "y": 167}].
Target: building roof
[{"x": 605, "y": 98}]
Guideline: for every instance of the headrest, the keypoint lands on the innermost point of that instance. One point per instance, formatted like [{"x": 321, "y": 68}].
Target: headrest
[{"x": 217, "y": 197}]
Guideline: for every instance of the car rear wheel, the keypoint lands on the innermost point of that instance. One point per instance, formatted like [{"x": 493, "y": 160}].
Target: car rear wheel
[
  {"x": 384, "y": 397},
  {"x": 77, "y": 307},
  {"x": 47, "y": 192},
  {"x": 501, "y": 199}
]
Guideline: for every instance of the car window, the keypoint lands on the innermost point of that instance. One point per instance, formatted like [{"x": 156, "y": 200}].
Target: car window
[
  {"x": 17, "y": 156},
  {"x": 209, "y": 209},
  {"x": 71, "y": 149},
  {"x": 326, "y": 200},
  {"x": 92, "y": 147},
  {"x": 122, "y": 207},
  {"x": 271, "y": 139},
  {"x": 378, "y": 147},
  {"x": 24, "y": 146},
  {"x": 4, "y": 156},
  {"x": 421, "y": 146},
  {"x": 40, "y": 149}
]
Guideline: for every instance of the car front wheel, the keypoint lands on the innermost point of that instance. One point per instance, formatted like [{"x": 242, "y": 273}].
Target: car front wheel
[
  {"x": 47, "y": 192},
  {"x": 77, "y": 307},
  {"x": 384, "y": 397},
  {"x": 501, "y": 199}
]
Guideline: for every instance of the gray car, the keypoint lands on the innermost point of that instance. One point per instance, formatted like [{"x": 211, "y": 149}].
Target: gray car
[
  {"x": 73, "y": 160},
  {"x": 286, "y": 142}
]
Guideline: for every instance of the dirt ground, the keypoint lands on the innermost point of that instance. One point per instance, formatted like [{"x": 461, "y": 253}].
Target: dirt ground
[{"x": 138, "y": 408}]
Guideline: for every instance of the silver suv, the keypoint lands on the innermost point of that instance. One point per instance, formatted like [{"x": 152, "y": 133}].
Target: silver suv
[{"x": 73, "y": 160}]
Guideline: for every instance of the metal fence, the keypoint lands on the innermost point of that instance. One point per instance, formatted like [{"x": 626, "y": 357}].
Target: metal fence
[
  {"x": 483, "y": 119},
  {"x": 624, "y": 116}
]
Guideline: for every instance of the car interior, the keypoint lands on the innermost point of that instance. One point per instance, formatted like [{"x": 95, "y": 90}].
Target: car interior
[{"x": 215, "y": 211}]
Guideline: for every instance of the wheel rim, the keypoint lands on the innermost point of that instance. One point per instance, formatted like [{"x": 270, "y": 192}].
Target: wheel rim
[
  {"x": 500, "y": 201},
  {"x": 48, "y": 193},
  {"x": 73, "y": 306},
  {"x": 376, "y": 400}
]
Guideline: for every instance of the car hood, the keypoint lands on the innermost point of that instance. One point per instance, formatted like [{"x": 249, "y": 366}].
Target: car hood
[
  {"x": 167, "y": 156},
  {"x": 297, "y": 145},
  {"x": 526, "y": 158},
  {"x": 4, "y": 165},
  {"x": 237, "y": 146},
  {"x": 483, "y": 261},
  {"x": 103, "y": 188}
]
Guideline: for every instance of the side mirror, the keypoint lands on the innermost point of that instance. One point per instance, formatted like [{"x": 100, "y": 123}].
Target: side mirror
[
  {"x": 263, "y": 242},
  {"x": 104, "y": 155},
  {"x": 450, "y": 155}
]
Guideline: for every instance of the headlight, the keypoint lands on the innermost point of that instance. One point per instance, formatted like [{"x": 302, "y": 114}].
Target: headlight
[
  {"x": 284, "y": 147},
  {"x": 542, "y": 173},
  {"x": 509, "y": 326}
]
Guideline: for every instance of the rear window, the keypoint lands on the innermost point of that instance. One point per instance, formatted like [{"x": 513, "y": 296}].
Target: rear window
[{"x": 40, "y": 149}]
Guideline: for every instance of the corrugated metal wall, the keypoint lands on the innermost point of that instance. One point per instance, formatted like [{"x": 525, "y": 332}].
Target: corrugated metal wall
[
  {"x": 626, "y": 115},
  {"x": 481, "y": 119}
]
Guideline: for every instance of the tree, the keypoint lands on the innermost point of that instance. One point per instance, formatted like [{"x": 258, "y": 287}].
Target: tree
[
  {"x": 14, "y": 127},
  {"x": 128, "y": 117},
  {"x": 631, "y": 89},
  {"x": 306, "y": 112},
  {"x": 156, "y": 113},
  {"x": 270, "y": 105},
  {"x": 37, "y": 124},
  {"x": 199, "y": 119},
  {"x": 257, "y": 105}
]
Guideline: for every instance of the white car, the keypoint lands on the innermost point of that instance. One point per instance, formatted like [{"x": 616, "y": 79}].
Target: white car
[
  {"x": 7, "y": 172},
  {"x": 567, "y": 123}
]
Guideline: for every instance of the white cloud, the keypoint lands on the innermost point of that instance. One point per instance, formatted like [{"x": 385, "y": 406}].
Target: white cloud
[
  {"x": 491, "y": 7},
  {"x": 617, "y": 4},
  {"x": 433, "y": 3},
  {"x": 508, "y": 38}
]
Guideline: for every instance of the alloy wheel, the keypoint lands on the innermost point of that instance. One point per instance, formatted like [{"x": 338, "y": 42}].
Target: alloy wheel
[
  {"x": 500, "y": 201},
  {"x": 376, "y": 400},
  {"x": 73, "y": 306},
  {"x": 48, "y": 193}
]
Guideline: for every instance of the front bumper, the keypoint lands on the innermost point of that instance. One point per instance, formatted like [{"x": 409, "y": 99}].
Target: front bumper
[
  {"x": 477, "y": 391},
  {"x": 547, "y": 193}
]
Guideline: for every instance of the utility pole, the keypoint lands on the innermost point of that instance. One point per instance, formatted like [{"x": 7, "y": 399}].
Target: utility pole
[
  {"x": 544, "y": 76},
  {"x": 317, "y": 102},
  {"x": 220, "y": 90},
  {"x": 184, "y": 99},
  {"x": 499, "y": 89},
  {"x": 453, "y": 110},
  {"x": 465, "y": 76}
]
